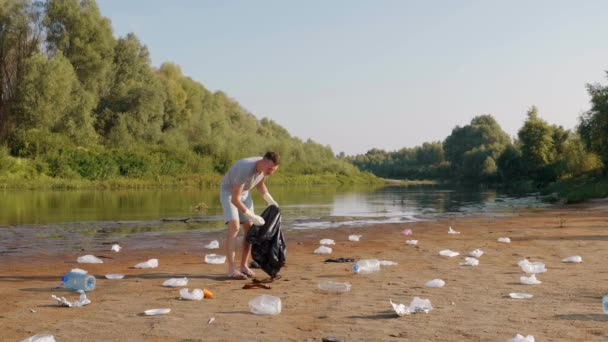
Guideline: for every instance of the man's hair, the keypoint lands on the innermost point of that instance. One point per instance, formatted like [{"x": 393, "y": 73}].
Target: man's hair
[{"x": 272, "y": 156}]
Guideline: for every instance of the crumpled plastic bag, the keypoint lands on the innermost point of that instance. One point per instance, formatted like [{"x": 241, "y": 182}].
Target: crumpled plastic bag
[
  {"x": 215, "y": 259},
  {"x": 89, "y": 259},
  {"x": 435, "y": 283},
  {"x": 212, "y": 245},
  {"x": 354, "y": 237},
  {"x": 417, "y": 305},
  {"x": 531, "y": 280},
  {"x": 504, "y": 240},
  {"x": 521, "y": 338},
  {"x": 532, "y": 267},
  {"x": 152, "y": 263},
  {"x": 40, "y": 338},
  {"x": 327, "y": 242},
  {"x": 323, "y": 250},
  {"x": 574, "y": 258},
  {"x": 116, "y": 248},
  {"x": 468, "y": 261},
  {"x": 452, "y": 231},
  {"x": 476, "y": 253},
  {"x": 448, "y": 253},
  {"x": 175, "y": 282},
  {"x": 82, "y": 301},
  {"x": 520, "y": 295},
  {"x": 411, "y": 242},
  {"x": 197, "y": 294}
]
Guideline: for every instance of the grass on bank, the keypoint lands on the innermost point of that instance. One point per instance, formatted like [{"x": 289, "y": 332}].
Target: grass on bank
[{"x": 579, "y": 189}]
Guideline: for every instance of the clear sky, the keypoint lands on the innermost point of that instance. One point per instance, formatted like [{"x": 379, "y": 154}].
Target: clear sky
[{"x": 359, "y": 74}]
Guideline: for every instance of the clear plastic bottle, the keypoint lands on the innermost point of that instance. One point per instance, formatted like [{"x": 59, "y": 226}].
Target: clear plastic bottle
[
  {"x": 367, "y": 266},
  {"x": 78, "y": 281},
  {"x": 265, "y": 305},
  {"x": 605, "y": 303},
  {"x": 334, "y": 287}
]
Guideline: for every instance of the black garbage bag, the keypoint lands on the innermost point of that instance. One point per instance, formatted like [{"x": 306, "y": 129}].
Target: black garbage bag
[{"x": 268, "y": 247}]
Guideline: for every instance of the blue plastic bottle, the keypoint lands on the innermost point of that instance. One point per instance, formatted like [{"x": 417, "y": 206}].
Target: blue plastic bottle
[{"x": 78, "y": 281}]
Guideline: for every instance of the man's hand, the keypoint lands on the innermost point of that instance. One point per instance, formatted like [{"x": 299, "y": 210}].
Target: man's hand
[
  {"x": 257, "y": 220},
  {"x": 269, "y": 199}
]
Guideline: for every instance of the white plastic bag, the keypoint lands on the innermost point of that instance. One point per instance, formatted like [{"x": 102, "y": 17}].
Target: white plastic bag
[
  {"x": 354, "y": 237},
  {"x": 116, "y": 248},
  {"x": 520, "y": 295},
  {"x": 152, "y": 263},
  {"x": 82, "y": 301},
  {"x": 521, "y": 338},
  {"x": 452, "y": 231},
  {"x": 197, "y": 294},
  {"x": 265, "y": 305},
  {"x": 532, "y": 267},
  {"x": 212, "y": 245},
  {"x": 89, "y": 259},
  {"x": 175, "y": 282},
  {"x": 40, "y": 338},
  {"x": 417, "y": 305},
  {"x": 574, "y": 258},
  {"x": 435, "y": 283},
  {"x": 327, "y": 242},
  {"x": 531, "y": 280},
  {"x": 411, "y": 242},
  {"x": 323, "y": 250},
  {"x": 468, "y": 261},
  {"x": 448, "y": 253},
  {"x": 215, "y": 259},
  {"x": 476, "y": 253},
  {"x": 504, "y": 240}
]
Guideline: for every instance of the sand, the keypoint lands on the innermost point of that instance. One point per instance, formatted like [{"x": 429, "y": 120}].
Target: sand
[{"x": 474, "y": 305}]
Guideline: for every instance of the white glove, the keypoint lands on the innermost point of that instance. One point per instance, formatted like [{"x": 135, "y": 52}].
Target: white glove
[
  {"x": 257, "y": 220},
  {"x": 269, "y": 199}
]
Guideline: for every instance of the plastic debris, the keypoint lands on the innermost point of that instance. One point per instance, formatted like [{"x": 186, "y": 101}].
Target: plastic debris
[
  {"x": 154, "y": 312},
  {"x": 265, "y": 305},
  {"x": 531, "y": 280},
  {"x": 327, "y": 242},
  {"x": 89, "y": 259},
  {"x": 574, "y": 258},
  {"x": 417, "y": 305},
  {"x": 114, "y": 276},
  {"x": 367, "y": 266},
  {"x": 152, "y": 263},
  {"x": 116, "y": 248},
  {"x": 323, "y": 250},
  {"x": 79, "y": 270},
  {"x": 211, "y": 320},
  {"x": 532, "y": 267},
  {"x": 175, "y": 282},
  {"x": 521, "y": 338},
  {"x": 448, "y": 253},
  {"x": 435, "y": 283},
  {"x": 468, "y": 261},
  {"x": 476, "y": 253},
  {"x": 212, "y": 245},
  {"x": 520, "y": 295},
  {"x": 387, "y": 263},
  {"x": 411, "y": 242},
  {"x": 82, "y": 301},
  {"x": 196, "y": 294},
  {"x": 452, "y": 231},
  {"x": 406, "y": 232},
  {"x": 215, "y": 259},
  {"x": 40, "y": 338},
  {"x": 207, "y": 294},
  {"x": 354, "y": 237},
  {"x": 504, "y": 240},
  {"x": 334, "y": 287}
]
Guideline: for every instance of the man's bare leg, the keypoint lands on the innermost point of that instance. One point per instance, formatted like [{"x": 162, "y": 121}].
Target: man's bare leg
[
  {"x": 246, "y": 251},
  {"x": 233, "y": 230}
]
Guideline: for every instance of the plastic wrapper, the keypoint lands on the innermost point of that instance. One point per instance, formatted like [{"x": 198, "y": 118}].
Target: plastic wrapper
[
  {"x": 520, "y": 295},
  {"x": 476, "y": 253},
  {"x": 82, "y": 301},
  {"x": 532, "y": 267},
  {"x": 116, "y": 248},
  {"x": 152, "y": 263},
  {"x": 323, "y": 250},
  {"x": 468, "y": 261},
  {"x": 574, "y": 259},
  {"x": 175, "y": 282},
  {"x": 448, "y": 253},
  {"x": 504, "y": 240},
  {"x": 212, "y": 245},
  {"x": 435, "y": 283},
  {"x": 327, "y": 242},
  {"x": 417, "y": 305},
  {"x": 215, "y": 259},
  {"x": 452, "y": 231},
  {"x": 89, "y": 259},
  {"x": 531, "y": 280},
  {"x": 196, "y": 294},
  {"x": 354, "y": 237}
]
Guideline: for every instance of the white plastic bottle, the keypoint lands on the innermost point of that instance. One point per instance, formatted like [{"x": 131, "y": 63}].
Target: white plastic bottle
[
  {"x": 78, "y": 281},
  {"x": 367, "y": 266}
]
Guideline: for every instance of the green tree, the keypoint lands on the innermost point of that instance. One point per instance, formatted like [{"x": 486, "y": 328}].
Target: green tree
[
  {"x": 593, "y": 127},
  {"x": 536, "y": 138}
]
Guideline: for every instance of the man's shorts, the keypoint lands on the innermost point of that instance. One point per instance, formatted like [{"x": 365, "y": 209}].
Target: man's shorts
[{"x": 230, "y": 211}]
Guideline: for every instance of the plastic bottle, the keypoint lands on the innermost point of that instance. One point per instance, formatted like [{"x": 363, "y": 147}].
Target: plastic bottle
[
  {"x": 605, "y": 303},
  {"x": 334, "y": 287},
  {"x": 367, "y": 266},
  {"x": 78, "y": 281},
  {"x": 265, "y": 305}
]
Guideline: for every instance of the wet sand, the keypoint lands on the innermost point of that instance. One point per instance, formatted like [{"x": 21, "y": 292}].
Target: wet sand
[{"x": 473, "y": 306}]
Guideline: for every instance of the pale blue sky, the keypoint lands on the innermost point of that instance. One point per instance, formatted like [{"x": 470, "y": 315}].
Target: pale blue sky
[{"x": 357, "y": 74}]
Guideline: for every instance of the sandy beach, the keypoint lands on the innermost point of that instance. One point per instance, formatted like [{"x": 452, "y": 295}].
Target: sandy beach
[{"x": 474, "y": 305}]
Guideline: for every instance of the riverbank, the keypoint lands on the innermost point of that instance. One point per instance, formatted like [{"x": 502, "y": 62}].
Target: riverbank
[{"x": 474, "y": 301}]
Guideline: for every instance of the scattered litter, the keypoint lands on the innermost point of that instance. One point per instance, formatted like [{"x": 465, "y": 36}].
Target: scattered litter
[
  {"x": 82, "y": 301},
  {"x": 411, "y": 242},
  {"x": 340, "y": 260},
  {"x": 367, "y": 266},
  {"x": 207, "y": 294},
  {"x": 520, "y": 295},
  {"x": 406, "y": 232},
  {"x": 116, "y": 248},
  {"x": 40, "y": 338},
  {"x": 79, "y": 270},
  {"x": 387, "y": 263},
  {"x": 531, "y": 280},
  {"x": 504, "y": 240},
  {"x": 532, "y": 267},
  {"x": 265, "y": 305},
  {"x": 327, "y": 242},
  {"x": 452, "y": 231},
  {"x": 114, "y": 276},
  {"x": 89, "y": 259},
  {"x": 448, "y": 253},
  {"x": 574, "y": 258},
  {"x": 175, "y": 282},
  {"x": 468, "y": 261},
  {"x": 32, "y": 310},
  {"x": 196, "y": 294},
  {"x": 323, "y": 250},
  {"x": 215, "y": 259},
  {"x": 212, "y": 245},
  {"x": 334, "y": 287},
  {"x": 152, "y": 263},
  {"x": 354, "y": 237},
  {"x": 521, "y": 338},
  {"x": 476, "y": 253},
  {"x": 211, "y": 320},
  {"x": 417, "y": 305},
  {"x": 435, "y": 283},
  {"x": 154, "y": 312}
]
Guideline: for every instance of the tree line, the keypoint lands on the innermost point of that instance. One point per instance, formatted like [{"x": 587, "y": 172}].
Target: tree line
[{"x": 78, "y": 103}]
